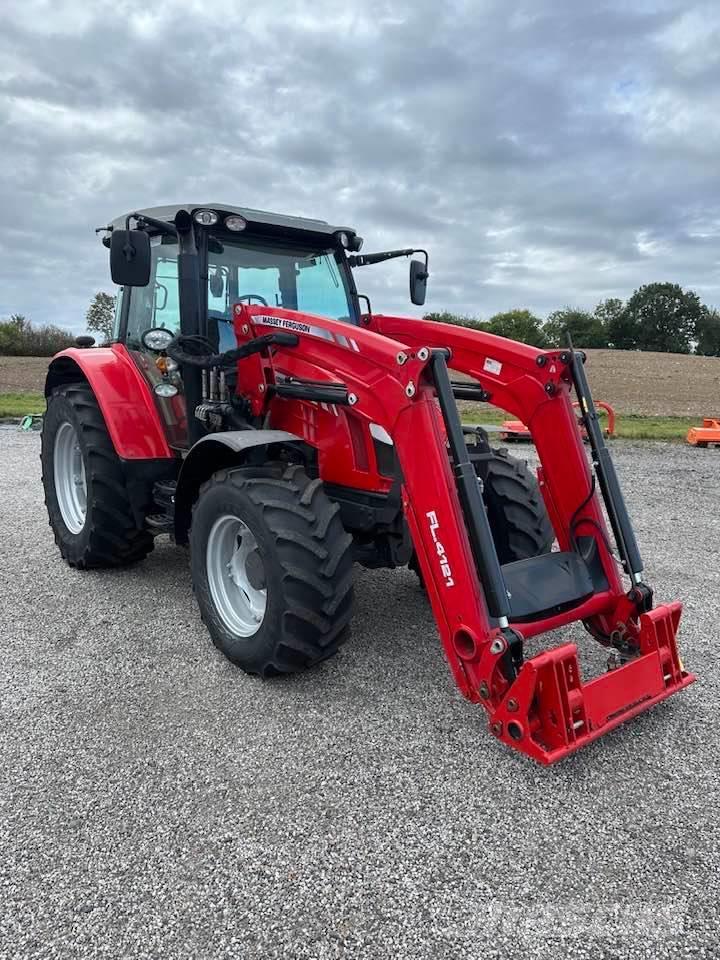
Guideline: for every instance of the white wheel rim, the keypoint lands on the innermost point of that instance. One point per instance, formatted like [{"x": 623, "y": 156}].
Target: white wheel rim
[
  {"x": 236, "y": 576},
  {"x": 70, "y": 479}
]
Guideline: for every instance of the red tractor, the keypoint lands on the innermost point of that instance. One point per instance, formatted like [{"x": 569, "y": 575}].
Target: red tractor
[{"x": 248, "y": 407}]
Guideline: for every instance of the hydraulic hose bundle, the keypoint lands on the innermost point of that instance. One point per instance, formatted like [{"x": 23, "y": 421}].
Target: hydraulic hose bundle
[{"x": 197, "y": 351}]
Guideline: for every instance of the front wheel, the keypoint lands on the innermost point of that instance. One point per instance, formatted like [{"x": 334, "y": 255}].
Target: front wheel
[
  {"x": 87, "y": 501},
  {"x": 271, "y": 568},
  {"x": 515, "y": 508}
]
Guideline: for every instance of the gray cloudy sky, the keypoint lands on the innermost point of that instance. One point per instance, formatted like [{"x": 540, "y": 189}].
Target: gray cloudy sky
[{"x": 546, "y": 152}]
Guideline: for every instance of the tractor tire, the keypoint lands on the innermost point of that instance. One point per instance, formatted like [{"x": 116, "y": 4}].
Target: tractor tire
[
  {"x": 272, "y": 568},
  {"x": 85, "y": 494},
  {"x": 516, "y": 510}
]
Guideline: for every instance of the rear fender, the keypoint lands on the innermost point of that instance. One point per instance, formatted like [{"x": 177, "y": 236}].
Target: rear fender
[
  {"x": 123, "y": 394},
  {"x": 223, "y": 451}
]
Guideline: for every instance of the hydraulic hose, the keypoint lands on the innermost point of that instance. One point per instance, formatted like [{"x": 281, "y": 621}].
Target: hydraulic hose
[{"x": 197, "y": 351}]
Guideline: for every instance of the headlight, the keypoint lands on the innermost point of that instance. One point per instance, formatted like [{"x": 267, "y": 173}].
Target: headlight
[
  {"x": 157, "y": 339},
  {"x": 343, "y": 239},
  {"x": 164, "y": 389},
  {"x": 235, "y": 223},
  {"x": 206, "y": 218}
]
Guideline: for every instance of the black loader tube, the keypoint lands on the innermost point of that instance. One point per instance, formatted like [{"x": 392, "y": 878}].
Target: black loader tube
[
  {"x": 605, "y": 471},
  {"x": 190, "y": 321},
  {"x": 471, "y": 501}
]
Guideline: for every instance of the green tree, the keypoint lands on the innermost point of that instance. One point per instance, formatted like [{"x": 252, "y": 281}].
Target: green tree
[
  {"x": 101, "y": 315},
  {"x": 586, "y": 329},
  {"x": 518, "y": 325},
  {"x": 19, "y": 338},
  {"x": 609, "y": 310},
  {"x": 707, "y": 334},
  {"x": 658, "y": 316},
  {"x": 13, "y": 335}
]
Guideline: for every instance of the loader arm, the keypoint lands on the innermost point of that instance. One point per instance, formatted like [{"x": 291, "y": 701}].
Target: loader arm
[{"x": 395, "y": 376}]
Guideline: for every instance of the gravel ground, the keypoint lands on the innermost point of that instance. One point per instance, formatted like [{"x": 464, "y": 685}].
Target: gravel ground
[{"x": 156, "y": 802}]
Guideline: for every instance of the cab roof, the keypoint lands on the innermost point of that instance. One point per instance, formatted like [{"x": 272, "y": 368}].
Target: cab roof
[{"x": 259, "y": 221}]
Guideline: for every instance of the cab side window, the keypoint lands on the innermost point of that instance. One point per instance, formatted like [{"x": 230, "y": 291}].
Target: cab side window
[
  {"x": 117, "y": 321},
  {"x": 157, "y": 304}
]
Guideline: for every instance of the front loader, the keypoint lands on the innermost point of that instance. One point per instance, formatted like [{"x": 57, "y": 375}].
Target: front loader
[{"x": 249, "y": 409}]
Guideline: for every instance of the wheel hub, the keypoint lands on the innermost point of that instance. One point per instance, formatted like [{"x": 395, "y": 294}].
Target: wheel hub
[
  {"x": 236, "y": 576},
  {"x": 70, "y": 478}
]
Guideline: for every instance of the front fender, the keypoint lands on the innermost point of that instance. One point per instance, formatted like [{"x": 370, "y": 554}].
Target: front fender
[
  {"x": 219, "y": 451},
  {"x": 123, "y": 394}
]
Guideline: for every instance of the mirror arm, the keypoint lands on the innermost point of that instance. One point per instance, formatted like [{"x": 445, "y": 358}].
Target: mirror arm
[
  {"x": 142, "y": 219},
  {"x": 364, "y": 260},
  {"x": 427, "y": 262}
]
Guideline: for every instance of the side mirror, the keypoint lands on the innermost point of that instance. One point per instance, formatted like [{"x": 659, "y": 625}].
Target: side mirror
[
  {"x": 130, "y": 258},
  {"x": 418, "y": 282}
]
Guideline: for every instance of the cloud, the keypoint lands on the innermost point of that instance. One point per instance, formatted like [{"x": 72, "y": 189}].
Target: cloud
[{"x": 545, "y": 153}]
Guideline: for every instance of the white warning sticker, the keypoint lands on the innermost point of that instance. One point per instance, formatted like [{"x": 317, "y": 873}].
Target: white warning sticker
[{"x": 492, "y": 366}]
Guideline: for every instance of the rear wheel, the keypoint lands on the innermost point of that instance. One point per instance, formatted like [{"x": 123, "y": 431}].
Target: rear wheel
[
  {"x": 271, "y": 568},
  {"x": 85, "y": 494}
]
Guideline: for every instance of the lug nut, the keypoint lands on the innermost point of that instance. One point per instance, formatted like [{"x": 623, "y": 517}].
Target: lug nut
[
  {"x": 484, "y": 690},
  {"x": 410, "y": 389},
  {"x": 423, "y": 353},
  {"x": 401, "y": 358},
  {"x": 496, "y": 728},
  {"x": 352, "y": 399},
  {"x": 512, "y": 705},
  {"x": 497, "y": 646}
]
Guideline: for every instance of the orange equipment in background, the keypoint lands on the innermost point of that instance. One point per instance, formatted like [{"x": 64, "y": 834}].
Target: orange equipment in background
[
  {"x": 517, "y": 430},
  {"x": 709, "y": 432}
]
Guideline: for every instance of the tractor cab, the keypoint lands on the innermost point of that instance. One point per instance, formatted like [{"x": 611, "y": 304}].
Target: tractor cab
[
  {"x": 239, "y": 256},
  {"x": 183, "y": 270}
]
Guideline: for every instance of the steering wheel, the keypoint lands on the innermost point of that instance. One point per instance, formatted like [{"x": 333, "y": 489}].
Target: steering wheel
[{"x": 253, "y": 296}]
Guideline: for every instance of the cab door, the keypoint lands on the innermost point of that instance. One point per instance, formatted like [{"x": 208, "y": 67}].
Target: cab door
[{"x": 158, "y": 305}]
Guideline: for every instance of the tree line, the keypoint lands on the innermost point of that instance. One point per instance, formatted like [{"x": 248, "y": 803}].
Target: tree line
[
  {"x": 19, "y": 337},
  {"x": 658, "y": 316}
]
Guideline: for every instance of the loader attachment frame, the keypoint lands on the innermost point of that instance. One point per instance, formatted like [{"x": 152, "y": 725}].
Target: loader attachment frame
[{"x": 393, "y": 374}]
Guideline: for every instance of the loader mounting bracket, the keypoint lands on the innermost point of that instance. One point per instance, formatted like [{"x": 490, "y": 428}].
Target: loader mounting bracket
[{"x": 548, "y": 712}]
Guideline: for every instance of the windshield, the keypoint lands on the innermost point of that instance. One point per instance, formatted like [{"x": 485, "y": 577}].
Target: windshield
[{"x": 312, "y": 281}]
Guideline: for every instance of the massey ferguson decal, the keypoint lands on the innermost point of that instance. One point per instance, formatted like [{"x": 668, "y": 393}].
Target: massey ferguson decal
[
  {"x": 444, "y": 565},
  {"x": 296, "y": 326}
]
